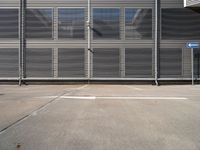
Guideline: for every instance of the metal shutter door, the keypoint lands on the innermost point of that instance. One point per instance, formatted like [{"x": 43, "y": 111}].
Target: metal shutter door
[
  {"x": 106, "y": 62},
  {"x": 71, "y": 62},
  {"x": 9, "y": 62},
  {"x": 39, "y": 62},
  {"x": 138, "y": 62},
  {"x": 170, "y": 62}
]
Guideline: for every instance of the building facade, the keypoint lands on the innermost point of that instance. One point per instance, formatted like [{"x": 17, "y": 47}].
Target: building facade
[{"x": 123, "y": 40}]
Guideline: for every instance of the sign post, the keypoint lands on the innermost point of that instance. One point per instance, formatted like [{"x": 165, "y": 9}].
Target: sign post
[{"x": 192, "y": 45}]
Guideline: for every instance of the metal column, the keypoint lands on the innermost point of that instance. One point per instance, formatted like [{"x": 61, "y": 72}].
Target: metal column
[{"x": 192, "y": 65}]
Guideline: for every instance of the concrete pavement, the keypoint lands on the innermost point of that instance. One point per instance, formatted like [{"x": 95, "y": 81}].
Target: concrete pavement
[{"x": 100, "y": 117}]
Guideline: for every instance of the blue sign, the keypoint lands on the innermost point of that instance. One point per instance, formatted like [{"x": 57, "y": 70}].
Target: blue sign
[{"x": 192, "y": 45}]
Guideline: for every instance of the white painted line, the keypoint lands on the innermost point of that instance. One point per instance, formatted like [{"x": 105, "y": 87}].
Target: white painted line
[
  {"x": 140, "y": 98},
  {"x": 146, "y": 98},
  {"x": 79, "y": 97}
]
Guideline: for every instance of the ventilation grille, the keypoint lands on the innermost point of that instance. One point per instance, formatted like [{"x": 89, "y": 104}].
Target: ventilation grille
[
  {"x": 9, "y": 23},
  {"x": 71, "y": 62},
  {"x": 39, "y": 62},
  {"x": 9, "y": 62},
  {"x": 138, "y": 62},
  {"x": 170, "y": 62},
  {"x": 106, "y": 62}
]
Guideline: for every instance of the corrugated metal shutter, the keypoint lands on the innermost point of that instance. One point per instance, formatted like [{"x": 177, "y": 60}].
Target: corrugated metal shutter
[
  {"x": 138, "y": 62},
  {"x": 39, "y": 62},
  {"x": 170, "y": 62},
  {"x": 71, "y": 62},
  {"x": 9, "y": 62},
  {"x": 9, "y": 23},
  {"x": 106, "y": 62}
]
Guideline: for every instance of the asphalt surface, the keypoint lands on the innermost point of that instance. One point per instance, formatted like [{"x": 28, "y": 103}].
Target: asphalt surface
[{"x": 100, "y": 117}]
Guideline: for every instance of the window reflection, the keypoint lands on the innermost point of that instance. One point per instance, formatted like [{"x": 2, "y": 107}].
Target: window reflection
[
  {"x": 138, "y": 23},
  {"x": 39, "y": 23},
  {"x": 71, "y": 23},
  {"x": 106, "y": 23}
]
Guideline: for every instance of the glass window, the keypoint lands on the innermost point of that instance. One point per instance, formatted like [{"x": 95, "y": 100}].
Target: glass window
[
  {"x": 106, "y": 23},
  {"x": 39, "y": 23},
  {"x": 180, "y": 23},
  {"x": 9, "y": 25},
  {"x": 138, "y": 23},
  {"x": 71, "y": 23}
]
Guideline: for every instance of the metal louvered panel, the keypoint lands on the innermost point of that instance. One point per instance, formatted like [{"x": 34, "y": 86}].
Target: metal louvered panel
[
  {"x": 170, "y": 62},
  {"x": 106, "y": 23},
  {"x": 180, "y": 23},
  {"x": 71, "y": 62},
  {"x": 197, "y": 63},
  {"x": 106, "y": 62},
  {"x": 138, "y": 23},
  {"x": 138, "y": 62},
  {"x": 39, "y": 23},
  {"x": 39, "y": 62},
  {"x": 71, "y": 23},
  {"x": 9, "y": 23},
  {"x": 9, "y": 62}
]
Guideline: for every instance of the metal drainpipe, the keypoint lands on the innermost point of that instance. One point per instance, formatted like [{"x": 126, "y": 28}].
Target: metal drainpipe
[
  {"x": 156, "y": 42},
  {"x": 89, "y": 38}
]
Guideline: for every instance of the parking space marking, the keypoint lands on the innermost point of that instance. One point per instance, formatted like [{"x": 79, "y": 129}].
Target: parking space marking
[{"x": 125, "y": 98}]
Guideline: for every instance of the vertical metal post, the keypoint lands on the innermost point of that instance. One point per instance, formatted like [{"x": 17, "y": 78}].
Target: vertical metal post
[
  {"x": 192, "y": 65},
  {"x": 22, "y": 40},
  {"x": 156, "y": 42},
  {"x": 89, "y": 38}
]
